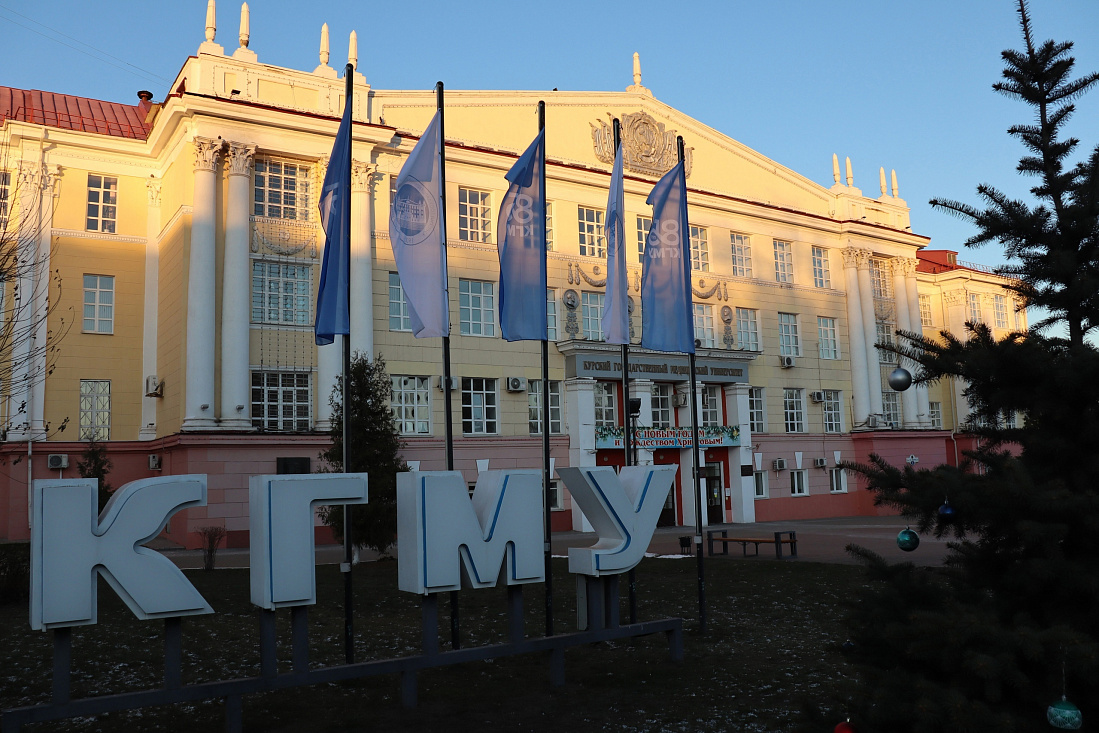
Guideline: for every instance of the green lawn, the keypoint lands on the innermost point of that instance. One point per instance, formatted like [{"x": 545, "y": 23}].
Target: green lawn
[{"x": 773, "y": 641}]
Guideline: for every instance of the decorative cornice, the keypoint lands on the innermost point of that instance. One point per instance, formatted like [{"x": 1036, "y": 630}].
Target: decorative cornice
[
  {"x": 239, "y": 159},
  {"x": 206, "y": 153},
  {"x": 78, "y": 234}
]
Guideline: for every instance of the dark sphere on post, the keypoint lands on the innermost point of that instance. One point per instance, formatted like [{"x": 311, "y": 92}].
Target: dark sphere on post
[{"x": 900, "y": 379}]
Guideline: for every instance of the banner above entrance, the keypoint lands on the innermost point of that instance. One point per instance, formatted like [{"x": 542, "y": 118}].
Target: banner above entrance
[
  {"x": 657, "y": 438},
  {"x": 670, "y": 368}
]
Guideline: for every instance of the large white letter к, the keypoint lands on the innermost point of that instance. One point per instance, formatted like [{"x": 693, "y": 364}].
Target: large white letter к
[
  {"x": 70, "y": 544},
  {"x": 623, "y": 509},
  {"x": 444, "y": 538}
]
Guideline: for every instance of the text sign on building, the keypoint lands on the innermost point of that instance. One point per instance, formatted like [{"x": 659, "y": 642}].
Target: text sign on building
[
  {"x": 724, "y": 436},
  {"x": 658, "y": 369}
]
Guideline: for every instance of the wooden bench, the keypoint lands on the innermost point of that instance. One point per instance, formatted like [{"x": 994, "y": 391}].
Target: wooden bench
[{"x": 781, "y": 538}]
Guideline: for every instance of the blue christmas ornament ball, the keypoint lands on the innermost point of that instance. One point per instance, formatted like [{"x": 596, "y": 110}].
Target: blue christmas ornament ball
[
  {"x": 1064, "y": 715},
  {"x": 946, "y": 512},
  {"x": 908, "y": 540}
]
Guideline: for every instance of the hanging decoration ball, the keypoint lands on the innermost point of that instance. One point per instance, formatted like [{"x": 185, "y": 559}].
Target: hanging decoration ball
[
  {"x": 900, "y": 379},
  {"x": 908, "y": 540},
  {"x": 1064, "y": 715},
  {"x": 946, "y": 512},
  {"x": 844, "y": 727}
]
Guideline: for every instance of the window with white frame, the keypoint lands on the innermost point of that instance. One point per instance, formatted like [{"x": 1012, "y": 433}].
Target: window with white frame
[
  {"x": 784, "y": 262},
  {"x": 551, "y": 314},
  {"x": 936, "y": 410},
  {"x": 1020, "y": 316},
  {"x": 102, "y": 212},
  {"x": 557, "y": 500},
  {"x": 822, "y": 277},
  {"x": 644, "y": 223},
  {"x": 829, "y": 343},
  {"x": 999, "y": 309},
  {"x": 799, "y": 485},
  {"x": 760, "y": 480},
  {"x": 605, "y": 405},
  {"x": 280, "y": 189},
  {"x": 476, "y": 308},
  {"x": 704, "y": 324},
  {"x": 410, "y": 403},
  {"x": 534, "y": 407},
  {"x": 747, "y": 329},
  {"x": 591, "y": 311},
  {"x": 549, "y": 226},
  {"x": 757, "y": 410},
  {"x": 1007, "y": 418},
  {"x": 282, "y": 401},
  {"x": 711, "y": 406},
  {"x": 833, "y": 411},
  {"x": 793, "y": 409},
  {"x": 885, "y": 336},
  {"x": 789, "y": 344},
  {"x": 99, "y": 304},
  {"x": 700, "y": 249},
  {"x": 479, "y": 406},
  {"x": 5, "y": 188},
  {"x": 974, "y": 301},
  {"x": 742, "y": 254},
  {"x": 281, "y": 293},
  {"x": 95, "y": 409},
  {"x": 925, "y": 310},
  {"x": 837, "y": 480},
  {"x": 891, "y": 407},
  {"x": 879, "y": 278},
  {"x": 474, "y": 215},
  {"x": 662, "y": 406},
  {"x": 399, "y": 318},
  {"x": 593, "y": 240}
]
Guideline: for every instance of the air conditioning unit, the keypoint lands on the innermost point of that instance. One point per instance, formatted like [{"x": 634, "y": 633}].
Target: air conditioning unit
[
  {"x": 154, "y": 462},
  {"x": 872, "y": 421},
  {"x": 516, "y": 384},
  {"x": 820, "y": 462},
  {"x": 153, "y": 386},
  {"x": 681, "y": 399},
  {"x": 817, "y": 396},
  {"x": 57, "y": 461},
  {"x": 453, "y": 383},
  {"x": 786, "y": 362},
  {"x": 779, "y": 464}
]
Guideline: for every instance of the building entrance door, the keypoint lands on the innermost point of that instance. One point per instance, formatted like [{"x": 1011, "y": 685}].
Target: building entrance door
[
  {"x": 715, "y": 499},
  {"x": 667, "y": 514}
]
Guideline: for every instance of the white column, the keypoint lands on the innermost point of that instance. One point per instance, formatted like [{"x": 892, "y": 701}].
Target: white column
[
  {"x": 362, "y": 259},
  {"x": 40, "y": 348},
  {"x": 742, "y": 482},
  {"x": 329, "y": 366},
  {"x": 870, "y": 334},
  {"x": 580, "y": 423},
  {"x": 923, "y": 406},
  {"x": 201, "y": 274},
  {"x": 860, "y": 382},
  {"x": 29, "y": 177},
  {"x": 905, "y": 323},
  {"x": 642, "y": 389},
  {"x": 235, "y": 411},
  {"x": 151, "y": 308},
  {"x": 686, "y": 460}
]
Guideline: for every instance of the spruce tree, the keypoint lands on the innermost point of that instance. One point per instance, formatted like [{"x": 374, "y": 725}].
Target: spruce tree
[
  {"x": 987, "y": 642},
  {"x": 94, "y": 463},
  {"x": 374, "y": 448}
]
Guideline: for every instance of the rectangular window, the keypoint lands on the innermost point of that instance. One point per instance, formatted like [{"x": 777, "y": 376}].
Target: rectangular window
[
  {"x": 556, "y": 499},
  {"x": 102, "y": 213},
  {"x": 643, "y": 225},
  {"x": 760, "y": 478},
  {"x": 591, "y": 311},
  {"x": 281, "y": 293},
  {"x": 605, "y": 405},
  {"x": 829, "y": 344},
  {"x": 593, "y": 240},
  {"x": 409, "y": 400},
  {"x": 704, "y": 325},
  {"x": 974, "y": 301},
  {"x": 280, "y": 189},
  {"x": 95, "y": 409},
  {"x": 837, "y": 480},
  {"x": 885, "y": 331},
  {"x": 784, "y": 262},
  {"x": 936, "y": 410},
  {"x": 551, "y": 314},
  {"x": 793, "y": 409},
  {"x": 476, "y": 308},
  {"x": 711, "y": 406},
  {"x": 98, "y": 304},
  {"x": 700, "y": 249},
  {"x": 879, "y": 278},
  {"x": 662, "y": 406},
  {"x": 534, "y": 407},
  {"x": 822, "y": 277},
  {"x": 479, "y": 406},
  {"x": 282, "y": 401},
  {"x": 742, "y": 255},
  {"x": 925, "y": 310},
  {"x": 1000, "y": 309},
  {"x": 788, "y": 342},
  {"x": 474, "y": 215},
  {"x": 798, "y": 484},
  {"x": 747, "y": 329},
  {"x": 5, "y": 187},
  {"x": 891, "y": 407},
  {"x": 399, "y": 319},
  {"x": 757, "y": 410},
  {"x": 833, "y": 411},
  {"x": 549, "y": 226}
]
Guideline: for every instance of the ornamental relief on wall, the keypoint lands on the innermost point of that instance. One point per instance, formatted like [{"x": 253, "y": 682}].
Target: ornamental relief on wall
[{"x": 647, "y": 147}]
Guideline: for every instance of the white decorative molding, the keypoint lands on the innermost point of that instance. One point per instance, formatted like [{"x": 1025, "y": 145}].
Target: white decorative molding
[
  {"x": 181, "y": 212},
  {"x": 79, "y": 234},
  {"x": 206, "y": 153},
  {"x": 292, "y": 236},
  {"x": 238, "y": 161},
  {"x": 153, "y": 187},
  {"x": 647, "y": 147},
  {"x": 363, "y": 175}
]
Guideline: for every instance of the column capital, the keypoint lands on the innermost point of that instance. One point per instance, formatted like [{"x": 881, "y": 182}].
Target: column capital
[
  {"x": 239, "y": 158},
  {"x": 30, "y": 174},
  {"x": 856, "y": 257},
  {"x": 363, "y": 176},
  {"x": 153, "y": 186},
  {"x": 206, "y": 153},
  {"x": 905, "y": 266}
]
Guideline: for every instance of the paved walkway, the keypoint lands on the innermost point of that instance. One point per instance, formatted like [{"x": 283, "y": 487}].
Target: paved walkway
[{"x": 819, "y": 540}]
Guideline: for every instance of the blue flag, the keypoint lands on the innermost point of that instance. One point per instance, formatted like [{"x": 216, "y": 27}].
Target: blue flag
[
  {"x": 418, "y": 236},
  {"x": 522, "y": 248},
  {"x": 616, "y": 310},
  {"x": 332, "y": 305},
  {"x": 667, "y": 311}
]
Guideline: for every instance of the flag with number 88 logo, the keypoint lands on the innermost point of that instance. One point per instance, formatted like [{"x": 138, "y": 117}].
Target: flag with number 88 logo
[
  {"x": 667, "y": 310},
  {"x": 522, "y": 248}
]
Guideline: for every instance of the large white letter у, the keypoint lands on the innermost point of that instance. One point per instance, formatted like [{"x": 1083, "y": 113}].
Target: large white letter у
[
  {"x": 70, "y": 544},
  {"x": 623, "y": 509},
  {"x": 445, "y": 538}
]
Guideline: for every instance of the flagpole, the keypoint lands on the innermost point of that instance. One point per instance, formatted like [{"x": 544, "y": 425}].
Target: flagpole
[
  {"x": 348, "y": 595},
  {"x": 696, "y": 473},
  {"x": 448, "y": 408},
  {"x": 548, "y": 546}
]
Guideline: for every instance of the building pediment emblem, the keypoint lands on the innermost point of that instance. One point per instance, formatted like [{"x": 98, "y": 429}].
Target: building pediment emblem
[{"x": 648, "y": 148}]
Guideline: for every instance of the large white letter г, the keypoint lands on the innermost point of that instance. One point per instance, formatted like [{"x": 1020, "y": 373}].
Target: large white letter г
[
  {"x": 622, "y": 508},
  {"x": 445, "y": 538},
  {"x": 281, "y": 510},
  {"x": 70, "y": 544}
]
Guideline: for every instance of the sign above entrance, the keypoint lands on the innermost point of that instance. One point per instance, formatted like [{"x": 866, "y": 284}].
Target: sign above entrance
[
  {"x": 657, "y": 368},
  {"x": 724, "y": 436}
]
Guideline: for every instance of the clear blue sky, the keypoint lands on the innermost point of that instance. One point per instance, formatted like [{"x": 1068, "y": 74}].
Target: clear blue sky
[{"x": 905, "y": 84}]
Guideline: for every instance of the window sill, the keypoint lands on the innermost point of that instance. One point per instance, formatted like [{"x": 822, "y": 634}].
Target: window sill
[
  {"x": 478, "y": 335},
  {"x": 99, "y": 333}
]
